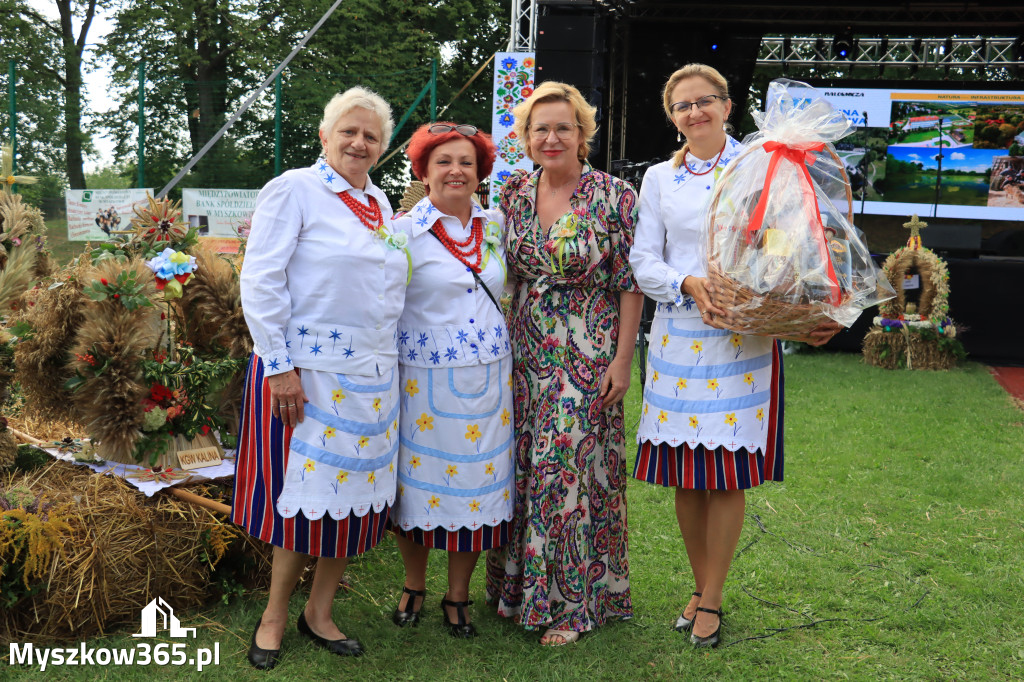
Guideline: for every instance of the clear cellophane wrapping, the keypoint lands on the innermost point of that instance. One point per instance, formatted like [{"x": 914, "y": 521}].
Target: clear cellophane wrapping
[{"x": 781, "y": 256}]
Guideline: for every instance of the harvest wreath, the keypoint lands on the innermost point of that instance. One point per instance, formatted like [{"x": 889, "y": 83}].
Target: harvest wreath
[
  {"x": 141, "y": 340},
  {"x": 136, "y": 343},
  {"x": 905, "y": 335}
]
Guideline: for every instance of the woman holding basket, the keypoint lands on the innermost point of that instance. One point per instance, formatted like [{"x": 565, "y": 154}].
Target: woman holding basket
[{"x": 712, "y": 417}]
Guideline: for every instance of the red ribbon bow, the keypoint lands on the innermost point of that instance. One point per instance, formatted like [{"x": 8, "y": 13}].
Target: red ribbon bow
[{"x": 802, "y": 157}]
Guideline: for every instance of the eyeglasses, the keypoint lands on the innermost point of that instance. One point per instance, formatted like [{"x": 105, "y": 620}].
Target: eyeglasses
[
  {"x": 703, "y": 103},
  {"x": 464, "y": 129},
  {"x": 564, "y": 131}
]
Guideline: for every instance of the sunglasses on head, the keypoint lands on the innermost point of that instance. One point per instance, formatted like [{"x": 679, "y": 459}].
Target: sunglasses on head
[{"x": 462, "y": 129}]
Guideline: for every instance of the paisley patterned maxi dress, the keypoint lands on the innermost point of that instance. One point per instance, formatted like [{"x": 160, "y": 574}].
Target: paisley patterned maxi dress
[{"x": 567, "y": 565}]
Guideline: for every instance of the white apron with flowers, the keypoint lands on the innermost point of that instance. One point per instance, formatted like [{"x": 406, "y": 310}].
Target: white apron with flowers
[
  {"x": 455, "y": 359},
  {"x": 705, "y": 386},
  {"x": 343, "y": 456}
]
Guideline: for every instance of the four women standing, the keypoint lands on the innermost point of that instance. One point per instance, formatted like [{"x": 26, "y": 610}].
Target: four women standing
[{"x": 354, "y": 404}]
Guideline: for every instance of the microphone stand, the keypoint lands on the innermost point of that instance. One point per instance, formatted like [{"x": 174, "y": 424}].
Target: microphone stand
[{"x": 864, "y": 170}]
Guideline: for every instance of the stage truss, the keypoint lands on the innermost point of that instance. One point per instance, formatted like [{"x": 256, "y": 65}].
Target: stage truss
[
  {"x": 912, "y": 53},
  {"x": 523, "y": 28}
]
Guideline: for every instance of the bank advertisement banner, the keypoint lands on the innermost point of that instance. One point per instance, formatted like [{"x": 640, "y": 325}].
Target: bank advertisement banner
[
  {"x": 97, "y": 214},
  {"x": 942, "y": 153},
  {"x": 218, "y": 214}
]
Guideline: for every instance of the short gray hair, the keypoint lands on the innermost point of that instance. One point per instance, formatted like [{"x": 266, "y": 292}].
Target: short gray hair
[{"x": 344, "y": 102}]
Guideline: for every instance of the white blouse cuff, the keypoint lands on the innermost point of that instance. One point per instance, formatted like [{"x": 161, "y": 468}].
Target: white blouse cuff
[
  {"x": 276, "y": 362},
  {"x": 674, "y": 282}
]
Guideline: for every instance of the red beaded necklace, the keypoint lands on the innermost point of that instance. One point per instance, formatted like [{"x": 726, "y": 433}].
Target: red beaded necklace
[
  {"x": 368, "y": 215},
  {"x": 710, "y": 168},
  {"x": 459, "y": 249}
]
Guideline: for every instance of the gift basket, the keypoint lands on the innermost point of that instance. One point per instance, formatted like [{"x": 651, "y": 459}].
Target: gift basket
[{"x": 781, "y": 256}]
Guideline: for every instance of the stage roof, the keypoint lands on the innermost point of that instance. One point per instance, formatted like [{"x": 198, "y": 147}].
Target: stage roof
[{"x": 924, "y": 18}]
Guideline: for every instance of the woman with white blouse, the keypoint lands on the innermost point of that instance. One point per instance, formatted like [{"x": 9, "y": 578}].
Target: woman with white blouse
[
  {"x": 712, "y": 414},
  {"x": 455, "y": 429},
  {"x": 322, "y": 284}
]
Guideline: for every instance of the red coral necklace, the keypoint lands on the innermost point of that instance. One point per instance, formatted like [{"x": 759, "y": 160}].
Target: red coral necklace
[
  {"x": 368, "y": 215},
  {"x": 468, "y": 251},
  {"x": 711, "y": 167}
]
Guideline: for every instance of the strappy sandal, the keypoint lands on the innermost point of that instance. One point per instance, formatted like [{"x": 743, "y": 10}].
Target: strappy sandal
[
  {"x": 462, "y": 629},
  {"x": 567, "y": 636},
  {"x": 714, "y": 638},
  {"x": 408, "y": 616},
  {"x": 683, "y": 623}
]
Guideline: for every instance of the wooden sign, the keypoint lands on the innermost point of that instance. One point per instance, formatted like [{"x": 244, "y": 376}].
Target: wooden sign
[{"x": 197, "y": 458}]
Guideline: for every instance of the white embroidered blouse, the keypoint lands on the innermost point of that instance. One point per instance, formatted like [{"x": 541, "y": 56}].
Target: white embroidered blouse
[
  {"x": 319, "y": 289},
  {"x": 669, "y": 232},
  {"x": 448, "y": 320}
]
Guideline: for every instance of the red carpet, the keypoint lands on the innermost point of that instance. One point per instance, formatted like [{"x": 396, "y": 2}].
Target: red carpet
[{"x": 1012, "y": 379}]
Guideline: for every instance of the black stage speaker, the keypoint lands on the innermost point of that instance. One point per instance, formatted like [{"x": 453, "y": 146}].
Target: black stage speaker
[
  {"x": 572, "y": 33},
  {"x": 582, "y": 69},
  {"x": 961, "y": 241},
  {"x": 570, "y": 49}
]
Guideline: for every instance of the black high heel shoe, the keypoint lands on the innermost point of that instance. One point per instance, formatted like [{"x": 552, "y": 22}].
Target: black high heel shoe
[
  {"x": 261, "y": 659},
  {"x": 345, "y": 646},
  {"x": 407, "y": 616},
  {"x": 714, "y": 638},
  {"x": 461, "y": 629},
  {"x": 683, "y": 623}
]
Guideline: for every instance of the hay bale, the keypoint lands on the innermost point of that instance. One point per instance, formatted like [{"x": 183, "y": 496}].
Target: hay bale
[
  {"x": 121, "y": 550},
  {"x": 893, "y": 350}
]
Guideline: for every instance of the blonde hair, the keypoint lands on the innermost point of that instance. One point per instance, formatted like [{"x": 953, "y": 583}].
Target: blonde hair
[
  {"x": 553, "y": 91},
  {"x": 694, "y": 70},
  {"x": 344, "y": 102}
]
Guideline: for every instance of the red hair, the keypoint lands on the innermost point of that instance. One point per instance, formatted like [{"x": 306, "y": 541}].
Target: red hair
[{"x": 424, "y": 142}]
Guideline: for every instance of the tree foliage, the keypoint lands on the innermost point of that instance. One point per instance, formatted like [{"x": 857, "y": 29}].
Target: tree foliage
[
  {"x": 52, "y": 56},
  {"x": 203, "y": 58},
  {"x": 40, "y": 123}
]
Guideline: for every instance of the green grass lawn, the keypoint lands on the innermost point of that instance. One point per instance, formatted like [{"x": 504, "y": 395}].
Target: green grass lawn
[
  {"x": 57, "y": 241},
  {"x": 893, "y": 550},
  {"x": 920, "y": 136}
]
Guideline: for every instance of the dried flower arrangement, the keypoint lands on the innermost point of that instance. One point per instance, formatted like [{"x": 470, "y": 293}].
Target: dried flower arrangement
[{"x": 144, "y": 333}]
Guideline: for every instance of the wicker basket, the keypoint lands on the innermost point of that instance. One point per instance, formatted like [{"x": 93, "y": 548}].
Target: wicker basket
[{"x": 768, "y": 314}]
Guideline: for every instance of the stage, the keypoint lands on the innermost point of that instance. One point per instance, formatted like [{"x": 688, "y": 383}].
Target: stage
[
  {"x": 620, "y": 52},
  {"x": 985, "y": 304}
]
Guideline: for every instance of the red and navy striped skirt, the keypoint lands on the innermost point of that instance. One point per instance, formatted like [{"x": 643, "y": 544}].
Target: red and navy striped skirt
[
  {"x": 699, "y": 468},
  {"x": 461, "y": 540},
  {"x": 263, "y": 443}
]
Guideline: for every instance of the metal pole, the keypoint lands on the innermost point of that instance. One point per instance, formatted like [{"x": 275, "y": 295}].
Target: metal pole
[
  {"x": 863, "y": 171},
  {"x": 13, "y": 110},
  {"x": 401, "y": 122},
  {"x": 433, "y": 90},
  {"x": 141, "y": 181},
  {"x": 248, "y": 103},
  {"x": 938, "y": 173},
  {"x": 277, "y": 125}
]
